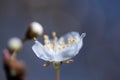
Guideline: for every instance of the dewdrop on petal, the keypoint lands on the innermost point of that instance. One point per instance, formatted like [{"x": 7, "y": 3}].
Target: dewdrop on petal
[
  {"x": 14, "y": 44},
  {"x": 35, "y": 30}
]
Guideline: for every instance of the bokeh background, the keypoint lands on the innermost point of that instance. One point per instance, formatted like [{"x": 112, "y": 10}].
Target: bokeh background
[{"x": 99, "y": 58}]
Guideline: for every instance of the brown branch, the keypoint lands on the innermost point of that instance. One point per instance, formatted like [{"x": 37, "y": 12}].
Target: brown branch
[{"x": 14, "y": 69}]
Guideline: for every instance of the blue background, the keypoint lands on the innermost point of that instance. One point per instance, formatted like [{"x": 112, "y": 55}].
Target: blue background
[{"x": 99, "y": 59}]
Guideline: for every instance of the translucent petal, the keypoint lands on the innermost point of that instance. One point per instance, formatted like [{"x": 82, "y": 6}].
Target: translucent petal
[
  {"x": 48, "y": 54},
  {"x": 41, "y": 52},
  {"x": 71, "y": 51}
]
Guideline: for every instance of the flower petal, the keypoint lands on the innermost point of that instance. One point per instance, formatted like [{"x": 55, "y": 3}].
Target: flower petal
[
  {"x": 41, "y": 52},
  {"x": 73, "y": 50}
]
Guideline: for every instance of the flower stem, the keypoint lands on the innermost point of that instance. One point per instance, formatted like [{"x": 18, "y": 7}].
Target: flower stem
[
  {"x": 57, "y": 69},
  {"x": 57, "y": 74}
]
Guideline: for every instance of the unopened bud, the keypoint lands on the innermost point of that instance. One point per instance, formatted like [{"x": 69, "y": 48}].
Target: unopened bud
[
  {"x": 14, "y": 44},
  {"x": 35, "y": 30}
]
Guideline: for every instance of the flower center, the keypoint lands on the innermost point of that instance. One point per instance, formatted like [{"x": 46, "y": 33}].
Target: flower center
[{"x": 57, "y": 45}]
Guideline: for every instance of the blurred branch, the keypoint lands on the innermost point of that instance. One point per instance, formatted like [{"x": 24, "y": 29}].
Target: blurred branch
[{"x": 14, "y": 69}]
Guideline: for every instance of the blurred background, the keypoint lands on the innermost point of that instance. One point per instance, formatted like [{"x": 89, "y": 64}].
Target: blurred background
[{"x": 99, "y": 58}]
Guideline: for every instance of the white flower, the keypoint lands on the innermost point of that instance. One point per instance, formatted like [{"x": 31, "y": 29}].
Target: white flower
[
  {"x": 56, "y": 50},
  {"x": 14, "y": 44}
]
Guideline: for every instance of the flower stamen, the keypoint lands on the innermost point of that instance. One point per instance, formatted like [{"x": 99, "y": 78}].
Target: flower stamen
[
  {"x": 74, "y": 40},
  {"x": 54, "y": 41},
  {"x": 69, "y": 42},
  {"x": 55, "y": 45}
]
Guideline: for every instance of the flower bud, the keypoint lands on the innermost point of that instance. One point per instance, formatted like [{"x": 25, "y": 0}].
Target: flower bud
[
  {"x": 35, "y": 29},
  {"x": 14, "y": 44}
]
